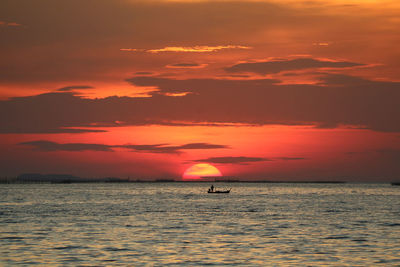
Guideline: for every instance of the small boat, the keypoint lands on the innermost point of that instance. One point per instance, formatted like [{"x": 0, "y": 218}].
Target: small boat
[
  {"x": 396, "y": 183},
  {"x": 219, "y": 191}
]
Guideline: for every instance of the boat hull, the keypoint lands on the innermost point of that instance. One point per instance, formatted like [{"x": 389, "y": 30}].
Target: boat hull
[{"x": 219, "y": 192}]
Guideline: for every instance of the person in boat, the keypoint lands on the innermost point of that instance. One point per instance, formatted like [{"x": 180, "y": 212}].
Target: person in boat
[{"x": 212, "y": 188}]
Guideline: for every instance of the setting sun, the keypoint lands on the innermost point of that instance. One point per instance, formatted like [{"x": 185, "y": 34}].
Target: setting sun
[{"x": 198, "y": 171}]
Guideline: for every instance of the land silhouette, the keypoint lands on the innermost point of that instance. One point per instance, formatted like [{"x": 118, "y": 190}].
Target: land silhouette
[{"x": 68, "y": 179}]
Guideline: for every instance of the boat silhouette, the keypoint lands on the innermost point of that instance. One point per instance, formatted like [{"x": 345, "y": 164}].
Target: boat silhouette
[{"x": 219, "y": 191}]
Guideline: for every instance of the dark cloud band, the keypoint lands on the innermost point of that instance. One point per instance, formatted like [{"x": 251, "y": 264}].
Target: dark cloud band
[
  {"x": 43, "y": 145},
  {"x": 275, "y": 66},
  {"x": 243, "y": 160},
  {"x": 338, "y": 100}
]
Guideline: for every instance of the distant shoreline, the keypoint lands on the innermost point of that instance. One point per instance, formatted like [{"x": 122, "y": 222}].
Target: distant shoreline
[
  {"x": 179, "y": 181},
  {"x": 36, "y": 178}
]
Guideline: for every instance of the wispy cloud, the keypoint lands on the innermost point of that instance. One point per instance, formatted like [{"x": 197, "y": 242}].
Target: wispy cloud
[
  {"x": 131, "y": 49},
  {"x": 74, "y": 87},
  {"x": 321, "y": 44},
  {"x": 202, "y": 146},
  {"x": 9, "y": 24},
  {"x": 197, "y": 48},
  {"x": 44, "y": 145},
  {"x": 232, "y": 160},
  {"x": 243, "y": 160},
  {"x": 177, "y": 94},
  {"x": 186, "y": 66},
  {"x": 169, "y": 149},
  {"x": 279, "y": 65},
  {"x": 157, "y": 148},
  {"x": 193, "y": 49}
]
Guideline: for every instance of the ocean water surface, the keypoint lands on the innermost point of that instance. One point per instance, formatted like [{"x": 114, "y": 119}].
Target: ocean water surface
[{"x": 159, "y": 224}]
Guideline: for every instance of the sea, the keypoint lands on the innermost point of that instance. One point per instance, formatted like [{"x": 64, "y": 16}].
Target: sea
[{"x": 179, "y": 224}]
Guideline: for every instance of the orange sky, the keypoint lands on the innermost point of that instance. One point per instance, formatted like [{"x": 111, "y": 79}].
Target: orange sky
[{"x": 263, "y": 90}]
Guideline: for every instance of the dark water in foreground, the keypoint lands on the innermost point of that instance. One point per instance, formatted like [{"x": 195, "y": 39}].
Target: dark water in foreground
[{"x": 180, "y": 224}]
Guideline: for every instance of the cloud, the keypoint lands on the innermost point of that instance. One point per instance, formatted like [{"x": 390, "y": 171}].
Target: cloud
[
  {"x": 177, "y": 94},
  {"x": 243, "y": 159},
  {"x": 321, "y": 44},
  {"x": 232, "y": 160},
  {"x": 72, "y": 43},
  {"x": 130, "y": 49},
  {"x": 9, "y": 24},
  {"x": 275, "y": 66},
  {"x": 339, "y": 100},
  {"x": 168, "y": 149},
  {"x": 43, "y": 129},
  {"x": 186, "y": 65},
  {"x": 185, "y": 49},
  {"x": 74, "y": 87},
  {"x": 202, "y": 146},
  {"x": 43, "y": 145},
  {"x": 157, "y": 148},
  {"x": 197, "y": 48}
]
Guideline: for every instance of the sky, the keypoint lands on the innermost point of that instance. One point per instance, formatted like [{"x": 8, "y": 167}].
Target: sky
[{"x": 283, "y": 90}]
